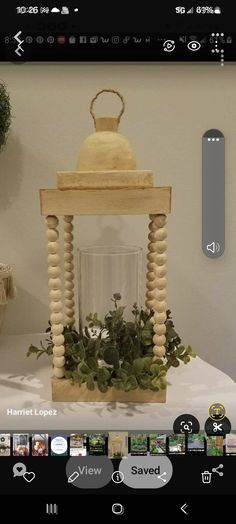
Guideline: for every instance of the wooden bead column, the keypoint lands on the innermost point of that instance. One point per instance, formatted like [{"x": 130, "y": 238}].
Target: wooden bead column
[
  {"x": 156, "y": 281},
  {"x": 68, "y": 271},
  {"x": 55, "y": 294}
]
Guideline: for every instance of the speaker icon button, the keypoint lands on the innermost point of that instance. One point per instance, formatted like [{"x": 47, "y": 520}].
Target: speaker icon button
[{"x": 214, "y": 247}]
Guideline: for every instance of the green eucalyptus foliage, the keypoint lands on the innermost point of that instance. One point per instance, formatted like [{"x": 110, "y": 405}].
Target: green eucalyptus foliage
[
  {"x": 121, "y": 355},
  {"x": 5, "y": 114}
]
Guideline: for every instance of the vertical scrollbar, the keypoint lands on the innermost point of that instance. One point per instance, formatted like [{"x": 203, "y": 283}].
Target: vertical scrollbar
[{"x": 213, "y": 193}]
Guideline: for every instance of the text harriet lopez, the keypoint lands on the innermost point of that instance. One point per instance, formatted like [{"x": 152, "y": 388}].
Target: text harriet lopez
[{"x": 31, "y": 412}]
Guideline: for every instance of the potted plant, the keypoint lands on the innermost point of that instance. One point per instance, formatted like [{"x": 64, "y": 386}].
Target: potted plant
[
  {"x": 5, "y": 114},
  {"x": 121, "y": 355},
  {"x": 7, "y": 289}
]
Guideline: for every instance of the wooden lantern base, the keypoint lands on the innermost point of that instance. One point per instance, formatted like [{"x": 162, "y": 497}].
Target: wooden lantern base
[{"x": 64, "y": 391}]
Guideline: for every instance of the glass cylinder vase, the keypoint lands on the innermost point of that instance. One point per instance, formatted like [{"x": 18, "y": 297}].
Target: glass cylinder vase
[{"x": 105, "y": 271}]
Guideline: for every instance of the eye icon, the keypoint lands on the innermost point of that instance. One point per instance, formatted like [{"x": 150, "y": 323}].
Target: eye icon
[{"x": 194, "y": 45}]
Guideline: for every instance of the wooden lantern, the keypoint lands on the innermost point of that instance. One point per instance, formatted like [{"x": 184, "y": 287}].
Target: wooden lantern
[{"x": 105, "y": 182}]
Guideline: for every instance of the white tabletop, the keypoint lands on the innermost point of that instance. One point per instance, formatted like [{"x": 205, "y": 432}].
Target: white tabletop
[{"x": 25, "y": 384}]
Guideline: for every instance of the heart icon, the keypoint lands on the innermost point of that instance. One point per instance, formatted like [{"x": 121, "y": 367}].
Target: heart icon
[
  {"x": 19, "y": 469},
  {"x": 29, "y": 476}
]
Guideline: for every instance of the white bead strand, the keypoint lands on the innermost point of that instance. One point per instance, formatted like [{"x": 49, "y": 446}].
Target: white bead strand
[
  {"x": 68, "y": 271},
  {"x": 156, "y": 281},
  {"x": 55, "y": 285}
]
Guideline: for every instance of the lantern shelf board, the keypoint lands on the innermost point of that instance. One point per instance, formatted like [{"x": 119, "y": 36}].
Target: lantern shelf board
[
  {"x": 156, "y": 200},
  {"x": 104, "y": 179},
  {"x": 63, "y": 390}
]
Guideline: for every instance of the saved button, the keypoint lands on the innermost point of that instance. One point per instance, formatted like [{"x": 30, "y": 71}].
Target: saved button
[{"x": 146, "y": 472}]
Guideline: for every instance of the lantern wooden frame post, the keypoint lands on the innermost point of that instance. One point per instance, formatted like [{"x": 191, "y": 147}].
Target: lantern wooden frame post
[
  {"x": 55, "y": 294},
  {"x": 108, "y": 199}
]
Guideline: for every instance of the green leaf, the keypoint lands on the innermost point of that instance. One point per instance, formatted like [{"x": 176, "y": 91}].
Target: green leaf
[
  {"x": 40, "y": 353},
  {"x": 186, "y": 359},
  {"x": 32, "y": 350},
  {"x": 154, "y": 368},
  {"x": 138, "y": 366},
  {"x": 130, "y": 326},
  {"x": 93, "y": 320},
  {"x": 121, "y": 373},
  {"x": 78, "y": 378},
  {"x": 163, "y": 383},
  {"x": 147, "y": 363},
  {"x": 162, "y": 373},
  {"x": 120, "y": 311},
  {"x": 144, "y": 381},
  {"x": 92, "y": 363},
  {"x": 118, "y": 383},
  {"x": 102, "y": 386},
  {"x": 83, "y": 367},
  {"x": 146, "y": 337},
  {"x": 98, "y": 344},
  {"x": 131, "y": 383},
  {"x": 190, "y": 352},
  {"x": 79, "y": 350},
  {"x": 103, "y": 375},
  {"x": 68, "y": 338},
  {"x": 179, "y": 351},
  {"x": 90, "y": 385},
  {"x": 175, "y": 363},
  {"x": 171, "y": 332},
  {"x": 155, "y": 384},
  {"x": 91, "y": 347},
  {"x": 111, "y": 356},
  {"x": 128, "y": 367},
  {"x": 127, "y": 387}
]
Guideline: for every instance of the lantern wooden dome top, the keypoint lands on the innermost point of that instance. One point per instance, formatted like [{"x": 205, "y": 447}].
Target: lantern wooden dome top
[
  {"x": 106, "y": 158},
  {"x": 106, "y": 169},
  {"x": 106, "y": 149}
]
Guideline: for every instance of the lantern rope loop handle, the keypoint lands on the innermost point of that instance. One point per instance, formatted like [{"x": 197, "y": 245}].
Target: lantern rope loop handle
[{"x": 107, "y": 91}]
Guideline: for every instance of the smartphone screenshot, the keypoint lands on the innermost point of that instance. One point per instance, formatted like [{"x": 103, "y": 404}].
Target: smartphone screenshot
[{"x": 117, "y": 260}]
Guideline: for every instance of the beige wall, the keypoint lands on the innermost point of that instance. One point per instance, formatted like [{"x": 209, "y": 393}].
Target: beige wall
[{"x": 169, "y": 107}]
